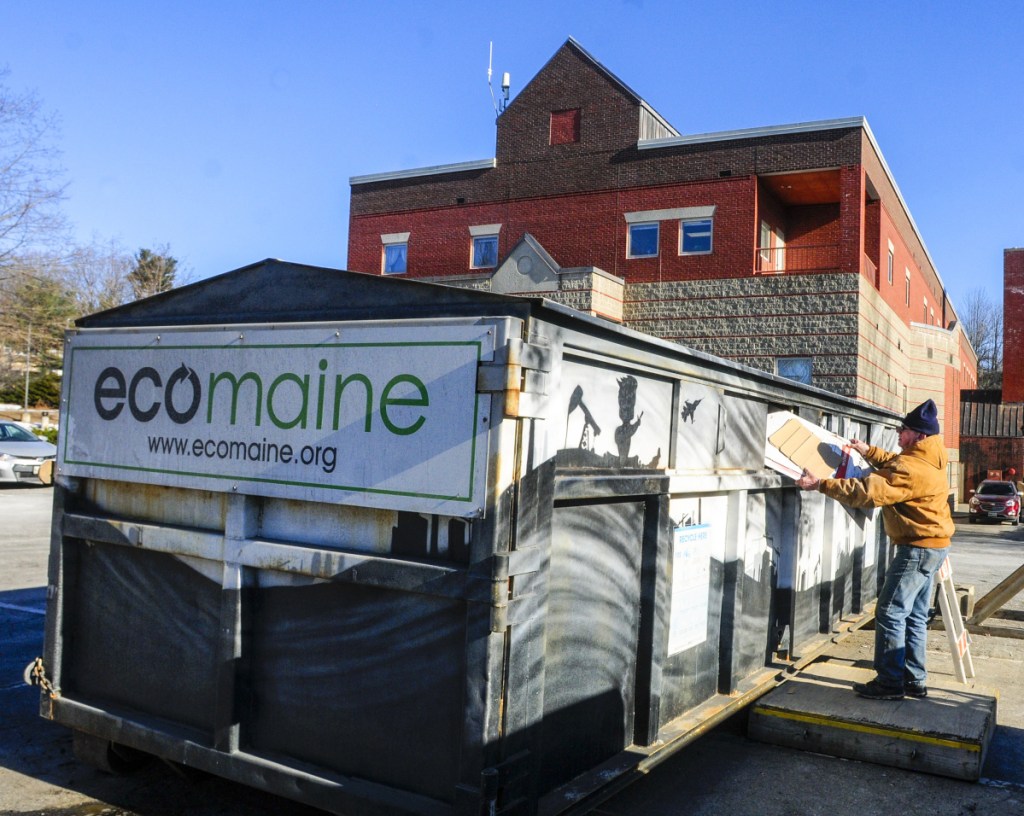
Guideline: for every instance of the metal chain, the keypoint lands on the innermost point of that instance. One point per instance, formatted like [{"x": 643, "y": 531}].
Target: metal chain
[{"x": 35, "y": 675}]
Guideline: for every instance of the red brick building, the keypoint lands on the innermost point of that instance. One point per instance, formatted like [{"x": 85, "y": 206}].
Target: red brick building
[
  {"x": 992, "y": 421},
  {"x": 1013, "y": 325},
  {"x": 786, "y": 248}
]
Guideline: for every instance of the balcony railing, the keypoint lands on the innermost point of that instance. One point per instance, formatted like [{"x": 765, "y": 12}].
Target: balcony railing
[
  {"x": 868, "y": 269},
  {"x": 775, "y": 260}
]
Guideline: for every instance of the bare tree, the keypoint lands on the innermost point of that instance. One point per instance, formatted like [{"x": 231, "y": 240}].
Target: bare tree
[
  {"x": 983, "y": 325},
  {"x": 31, "y": 180},
  {"x": 97, "y": 275}
]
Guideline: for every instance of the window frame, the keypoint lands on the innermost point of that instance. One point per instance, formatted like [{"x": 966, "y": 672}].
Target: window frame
[
  {"x": 765, "y": 245},
  {"x": 809, "y": 360},
  {"x": 480, "y": 241},
  {"x": 391, "y": 241},
  {"x": 478, "y": 234},
  {"x": 683, "y": 222},
  {"x": 643, "y": 225}
]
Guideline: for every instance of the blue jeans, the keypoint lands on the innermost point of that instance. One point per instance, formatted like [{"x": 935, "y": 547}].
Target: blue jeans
[{"x": 901, "y": 615}]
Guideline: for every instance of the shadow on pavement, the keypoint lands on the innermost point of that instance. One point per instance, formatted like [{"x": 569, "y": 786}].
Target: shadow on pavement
[{"x": 37, "y": 758}]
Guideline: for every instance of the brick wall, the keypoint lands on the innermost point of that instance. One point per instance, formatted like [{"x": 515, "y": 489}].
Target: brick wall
[
  {"x": 897, "y": 222},
  {"x": 609, "y": 117},
  {"x": 1013, "y": 325},
  {"x": 577, "y": 230},
  {"x": 979, "y": 454}
]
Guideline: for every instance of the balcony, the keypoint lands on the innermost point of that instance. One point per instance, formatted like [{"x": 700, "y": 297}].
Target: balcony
[{"x": 776, "y": 260}]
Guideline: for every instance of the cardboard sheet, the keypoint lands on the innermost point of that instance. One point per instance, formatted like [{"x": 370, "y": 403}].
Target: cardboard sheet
[{"x": 793, "y": 444}]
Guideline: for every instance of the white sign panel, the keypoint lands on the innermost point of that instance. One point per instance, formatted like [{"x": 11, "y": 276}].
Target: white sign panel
[
  {"x": 691, "y": 581},
  {"x": 381, "y": 416}
]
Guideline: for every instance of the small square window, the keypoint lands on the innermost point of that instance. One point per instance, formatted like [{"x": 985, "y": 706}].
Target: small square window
[
  {"x": 643, "y": 241},
  {"x": 485, "y": 251},
  {"x": 695, "y": 237},
  {"x": 795, "y": 368},
  {"x": 395, "y": 258}
]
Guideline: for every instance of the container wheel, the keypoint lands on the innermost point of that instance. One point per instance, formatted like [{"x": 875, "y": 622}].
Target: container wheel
[{"x": 107, "y": 756}]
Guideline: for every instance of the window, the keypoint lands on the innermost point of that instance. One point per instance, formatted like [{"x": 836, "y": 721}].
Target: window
[
  {"x": 907, "y": 289},
  {"x": 795, "y": 368},
  {"x": 766, "y": 245},
  {"x": 924, "y": 307},
  {"x": 695, "y": 229},
  {"x": 889, "y": 263},
  {"x": 395, "y": 257},
  {"x": 395, "y": 254},
  {"x": 484, "y": 251},
  {"x": 771, "y": 254},
  {"x": 565, "y": 127},
  {"x": 695, "y": 236},
  {"x": 643, "y": 241}
]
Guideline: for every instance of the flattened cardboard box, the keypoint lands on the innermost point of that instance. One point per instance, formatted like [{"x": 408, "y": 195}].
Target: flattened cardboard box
[{"x": 793, "y": 444}]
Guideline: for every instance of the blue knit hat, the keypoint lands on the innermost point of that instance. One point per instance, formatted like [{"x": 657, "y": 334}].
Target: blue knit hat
[{"x": 923, "y": 419}]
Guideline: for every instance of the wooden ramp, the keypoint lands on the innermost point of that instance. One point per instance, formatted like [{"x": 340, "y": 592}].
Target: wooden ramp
[{"x": 947, "y": 733}]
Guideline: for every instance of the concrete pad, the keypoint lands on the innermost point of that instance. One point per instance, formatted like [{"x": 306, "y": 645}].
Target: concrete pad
[{"x": 947, "y": 733}]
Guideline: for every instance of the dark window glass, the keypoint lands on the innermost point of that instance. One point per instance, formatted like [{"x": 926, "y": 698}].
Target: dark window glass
[{"x": 643, "y": 240}]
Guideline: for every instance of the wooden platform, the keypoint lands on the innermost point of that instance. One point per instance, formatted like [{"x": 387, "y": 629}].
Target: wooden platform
[{"x": 947, "y": 733}]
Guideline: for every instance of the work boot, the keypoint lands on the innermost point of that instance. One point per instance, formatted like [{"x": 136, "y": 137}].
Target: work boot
[
  {"x": 916, "y": 690},
  {"x": 873, "y": 690}
]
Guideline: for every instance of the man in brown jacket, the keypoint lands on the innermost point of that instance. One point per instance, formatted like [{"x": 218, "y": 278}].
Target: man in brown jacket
[{"x": 912, "y": 489}]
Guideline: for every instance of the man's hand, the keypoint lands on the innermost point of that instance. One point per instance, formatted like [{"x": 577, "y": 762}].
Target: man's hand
[
  {"x": 808, "y": 481},
  {"x": 860, "y": 447}
]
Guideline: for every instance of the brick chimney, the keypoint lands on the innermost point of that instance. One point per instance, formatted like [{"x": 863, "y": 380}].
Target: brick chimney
[{"x": 1013, "y": 325}]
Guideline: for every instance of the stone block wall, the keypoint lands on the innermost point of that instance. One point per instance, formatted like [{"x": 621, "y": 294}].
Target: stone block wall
[
  {"x": 754, "y": 320},
  {"x": 883, "y": 369}
]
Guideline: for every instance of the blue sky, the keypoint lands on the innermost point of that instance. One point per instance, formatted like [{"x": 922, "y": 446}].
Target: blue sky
[{"x": 229, "y": 130}]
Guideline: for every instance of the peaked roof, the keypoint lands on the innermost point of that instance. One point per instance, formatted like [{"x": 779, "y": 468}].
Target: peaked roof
[
  {"x": 542, "y": 254},
  {"x": 273, "y": 291},
  {"x": 612, "y": 77}
]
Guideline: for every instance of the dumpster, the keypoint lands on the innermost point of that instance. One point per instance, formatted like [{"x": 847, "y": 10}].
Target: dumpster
[{"x": 390, "y": 547}]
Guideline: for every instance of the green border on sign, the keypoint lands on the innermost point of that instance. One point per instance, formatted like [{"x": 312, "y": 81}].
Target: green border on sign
[{"x": 258, "y": 480}]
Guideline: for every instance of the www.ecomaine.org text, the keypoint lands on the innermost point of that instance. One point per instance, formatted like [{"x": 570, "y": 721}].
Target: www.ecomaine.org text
[{"x": 323, "y": 456}]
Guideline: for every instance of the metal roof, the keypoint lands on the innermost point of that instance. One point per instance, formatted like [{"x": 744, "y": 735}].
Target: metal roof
[{"x": 1003, "y": 419}]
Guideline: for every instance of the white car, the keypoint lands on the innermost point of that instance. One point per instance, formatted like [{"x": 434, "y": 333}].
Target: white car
[{"x": 22, "y": 454}]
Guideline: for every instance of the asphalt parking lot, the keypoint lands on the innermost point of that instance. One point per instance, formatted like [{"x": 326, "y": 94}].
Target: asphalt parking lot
[{"x": 723, "y": 772}]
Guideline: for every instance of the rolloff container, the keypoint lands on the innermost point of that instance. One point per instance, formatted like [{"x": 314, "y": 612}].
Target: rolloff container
[{"x": 389, "y": 547}]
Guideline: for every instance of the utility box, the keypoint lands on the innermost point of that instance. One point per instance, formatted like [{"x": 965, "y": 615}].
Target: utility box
[{"x": 389, "y": 547}]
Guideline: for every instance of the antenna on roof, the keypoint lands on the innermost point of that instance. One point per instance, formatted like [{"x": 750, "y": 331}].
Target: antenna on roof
[{"x": 506, "y": 81}]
